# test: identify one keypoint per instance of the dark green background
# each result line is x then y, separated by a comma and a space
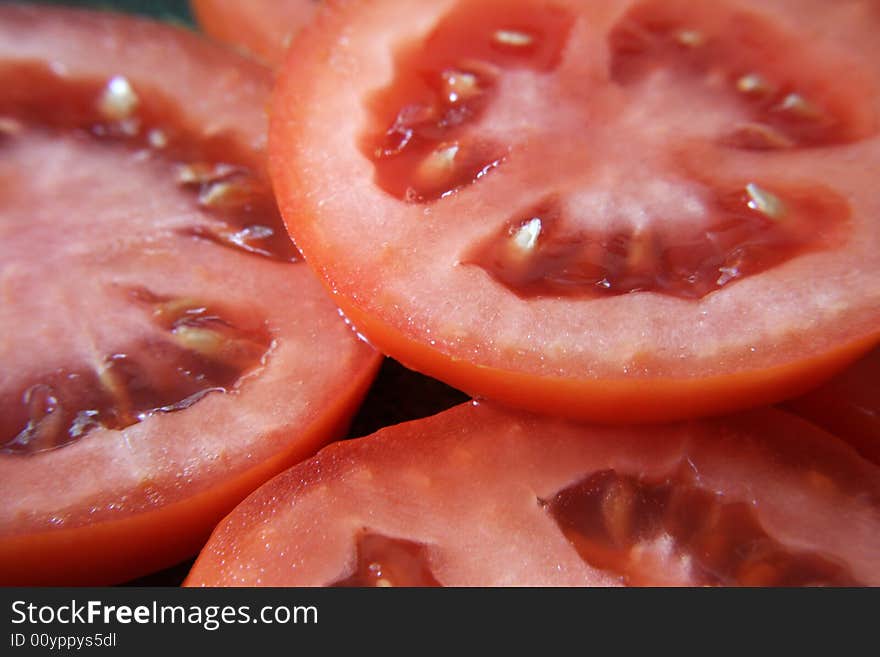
177, 10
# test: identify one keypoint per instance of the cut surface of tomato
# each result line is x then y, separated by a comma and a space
264, 28
619, 211
848, 406
481, 496
164, 348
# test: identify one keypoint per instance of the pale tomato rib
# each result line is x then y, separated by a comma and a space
476, 487
130, 269
397, 268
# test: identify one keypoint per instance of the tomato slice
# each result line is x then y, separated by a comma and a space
480, 496
620, 211
264, 28
848, 406
165, 349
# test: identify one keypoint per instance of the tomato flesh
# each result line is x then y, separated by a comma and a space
150, 377
482, 496
632, 211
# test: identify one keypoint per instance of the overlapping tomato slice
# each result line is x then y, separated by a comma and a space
165, 349
264, 28
625, 211
480, 496
848, 406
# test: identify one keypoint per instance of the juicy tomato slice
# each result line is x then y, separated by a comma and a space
480, 496
165, 349
620, 211
264, 28
848, 406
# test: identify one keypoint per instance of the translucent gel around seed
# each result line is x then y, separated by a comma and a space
384, 561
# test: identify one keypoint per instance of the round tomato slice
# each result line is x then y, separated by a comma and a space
620, 211
479, 496
264, 28
848, 406
165, 349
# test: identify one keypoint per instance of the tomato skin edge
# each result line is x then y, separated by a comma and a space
608, 401
116, 551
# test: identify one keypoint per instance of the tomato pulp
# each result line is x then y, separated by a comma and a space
151, 378
618, 211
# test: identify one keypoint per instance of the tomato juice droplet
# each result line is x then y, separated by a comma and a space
383, 561
616, 522
424, 146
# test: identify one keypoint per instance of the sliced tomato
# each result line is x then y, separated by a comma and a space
621, 211
264, 28
164, 348
479, 496
848, 406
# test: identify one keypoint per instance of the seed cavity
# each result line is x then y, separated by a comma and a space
383, 562
118, 101
615, 521
749, 228
441, 89
195, 349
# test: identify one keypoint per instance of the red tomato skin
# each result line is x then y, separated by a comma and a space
606, 400
609, 402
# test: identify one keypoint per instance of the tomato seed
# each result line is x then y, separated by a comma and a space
118, 100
